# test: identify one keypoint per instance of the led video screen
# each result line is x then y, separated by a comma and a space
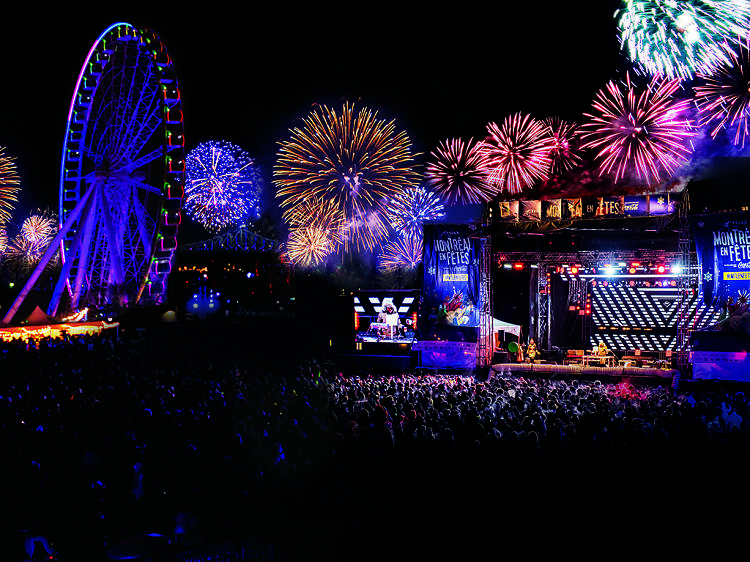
385, 316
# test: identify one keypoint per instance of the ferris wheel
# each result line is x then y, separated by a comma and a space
122, 177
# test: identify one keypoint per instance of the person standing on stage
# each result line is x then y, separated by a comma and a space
531, 351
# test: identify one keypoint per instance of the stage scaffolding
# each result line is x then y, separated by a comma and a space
688, 267
486, 345
540, 326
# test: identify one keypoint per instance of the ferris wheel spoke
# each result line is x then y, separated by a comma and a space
142, 226
115, 269
145, 160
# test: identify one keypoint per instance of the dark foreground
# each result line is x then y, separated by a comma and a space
273, 449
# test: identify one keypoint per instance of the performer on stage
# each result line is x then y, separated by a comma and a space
389, 316
531, 351
601, 351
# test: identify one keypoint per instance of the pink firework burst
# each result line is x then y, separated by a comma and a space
723, 99
458, 172
639, 132
518, 153
565, 153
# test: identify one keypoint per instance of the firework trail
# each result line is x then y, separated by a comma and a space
640, 131
352, 158
458, 172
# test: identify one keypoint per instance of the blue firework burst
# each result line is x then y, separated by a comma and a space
409, 209
223, 186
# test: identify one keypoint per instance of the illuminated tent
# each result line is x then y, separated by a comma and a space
39, 318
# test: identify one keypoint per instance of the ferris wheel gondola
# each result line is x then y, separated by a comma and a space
122, 178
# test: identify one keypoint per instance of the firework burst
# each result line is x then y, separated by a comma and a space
643, 131
10, 185
223, 186
308, 246
405, 252
352, 158
320, 215
408, 210
458, 172
565, 153
517, 152
25, 250
723, 97
679, 38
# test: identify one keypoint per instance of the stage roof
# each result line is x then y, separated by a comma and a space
622, 235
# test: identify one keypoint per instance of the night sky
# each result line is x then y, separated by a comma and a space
246, 74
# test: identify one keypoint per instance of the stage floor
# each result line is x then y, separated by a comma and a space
580, 370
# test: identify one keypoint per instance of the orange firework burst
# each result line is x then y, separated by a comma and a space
320, 222
352, 159
25, 250
308, 246
10, 185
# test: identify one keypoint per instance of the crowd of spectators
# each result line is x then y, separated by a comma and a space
165, 431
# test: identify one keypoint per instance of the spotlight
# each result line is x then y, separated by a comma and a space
518, 266
660, 268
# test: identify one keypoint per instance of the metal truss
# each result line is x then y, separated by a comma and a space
237, 240
585, 258
486, 344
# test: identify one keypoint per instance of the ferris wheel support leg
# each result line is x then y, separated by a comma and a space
75, 248
117, 269
83, 260
41, 266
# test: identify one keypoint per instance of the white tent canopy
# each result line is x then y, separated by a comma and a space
500, 326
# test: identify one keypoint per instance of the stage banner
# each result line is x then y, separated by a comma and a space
660, 204
635, 205
552, 209
530, 210
509, 210
590, 206
610, 205
449, 308
722, 243
571, 208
